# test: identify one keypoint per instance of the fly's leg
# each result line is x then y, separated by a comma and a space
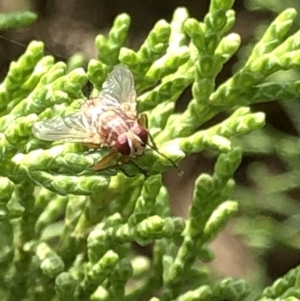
125, 159
92, 148
104, 162
143, 121
91, 145
139, 168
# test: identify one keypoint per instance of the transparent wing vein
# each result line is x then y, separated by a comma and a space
70, 128
119, 87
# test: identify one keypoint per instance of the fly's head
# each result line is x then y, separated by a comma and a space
132, 143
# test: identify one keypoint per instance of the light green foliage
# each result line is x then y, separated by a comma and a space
285, 288
67, 232
15, 20
270, 207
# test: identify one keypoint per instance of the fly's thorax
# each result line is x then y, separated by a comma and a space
111, 124
130, 109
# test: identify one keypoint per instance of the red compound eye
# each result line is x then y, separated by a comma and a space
122, 145
141, 132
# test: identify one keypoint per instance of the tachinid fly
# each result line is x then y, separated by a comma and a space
110, 120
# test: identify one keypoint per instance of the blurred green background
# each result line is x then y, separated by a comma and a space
262, 242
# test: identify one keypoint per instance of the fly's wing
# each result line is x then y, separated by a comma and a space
117, 94
71, 128
118, 90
